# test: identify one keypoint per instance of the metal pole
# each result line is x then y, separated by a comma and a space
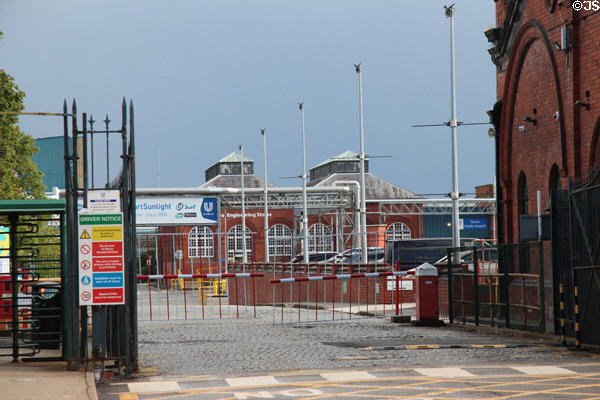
244, 259
91, 121
304, 237
455, 195
363, 206
266, 219
106, 122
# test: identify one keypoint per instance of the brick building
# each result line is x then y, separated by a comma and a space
200, 245
546, 119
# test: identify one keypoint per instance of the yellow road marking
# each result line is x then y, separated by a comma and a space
421, 346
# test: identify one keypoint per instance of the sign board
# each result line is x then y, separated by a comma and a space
4, 250
405, 284
178, 254
104, 201
473, 223
176, 211
101, 261
528, 227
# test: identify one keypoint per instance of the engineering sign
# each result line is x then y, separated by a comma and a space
101, 262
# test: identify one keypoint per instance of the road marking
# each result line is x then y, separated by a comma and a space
252, 381
347, 376
146, 387
421, 346
543, 370
443, 372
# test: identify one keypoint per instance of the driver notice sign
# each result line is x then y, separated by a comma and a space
101, 262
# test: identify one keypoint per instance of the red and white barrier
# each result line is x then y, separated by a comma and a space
174, 303
342, 276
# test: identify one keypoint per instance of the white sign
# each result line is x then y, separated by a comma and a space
405, 284
104, 201
178, 254
179, 211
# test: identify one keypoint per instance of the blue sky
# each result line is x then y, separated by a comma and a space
206, 76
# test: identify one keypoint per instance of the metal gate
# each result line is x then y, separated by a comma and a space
576, 258
32, 273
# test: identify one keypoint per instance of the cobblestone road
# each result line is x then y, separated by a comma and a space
237, 347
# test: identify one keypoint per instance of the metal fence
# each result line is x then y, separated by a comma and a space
503, 285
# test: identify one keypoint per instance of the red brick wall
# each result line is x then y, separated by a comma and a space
539, 76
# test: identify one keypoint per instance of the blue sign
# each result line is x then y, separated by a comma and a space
209, 208
475, 223
108, 280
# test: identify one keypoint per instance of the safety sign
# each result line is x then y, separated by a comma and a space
101, 272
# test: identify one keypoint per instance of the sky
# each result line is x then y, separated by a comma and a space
206, 76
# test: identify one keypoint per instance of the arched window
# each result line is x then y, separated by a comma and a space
200, 242
397, 231
280, 241
319, 239
235, 244
522, 195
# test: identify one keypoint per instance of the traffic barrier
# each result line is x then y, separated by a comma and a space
339, 296
195, 296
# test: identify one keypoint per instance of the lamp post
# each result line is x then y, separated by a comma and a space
363, 206
244, 259
304, 206
266, 218
453, 125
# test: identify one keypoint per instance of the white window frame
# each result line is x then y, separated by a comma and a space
320, 239
235, 246
280, 241
201, 243
397, 231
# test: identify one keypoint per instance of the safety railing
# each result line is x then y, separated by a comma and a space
313, 298
196, 296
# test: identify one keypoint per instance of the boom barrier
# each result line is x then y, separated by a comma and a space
340, 296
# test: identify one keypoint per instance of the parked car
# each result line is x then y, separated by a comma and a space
321, 257
354, 256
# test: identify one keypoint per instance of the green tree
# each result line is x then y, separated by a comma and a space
19, 176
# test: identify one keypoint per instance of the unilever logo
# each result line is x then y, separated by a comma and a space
209, 208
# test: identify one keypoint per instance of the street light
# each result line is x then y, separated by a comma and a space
266, 219
363, 206
455, 195
304, 237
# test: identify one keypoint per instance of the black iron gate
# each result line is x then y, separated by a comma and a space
32, 274
576, 258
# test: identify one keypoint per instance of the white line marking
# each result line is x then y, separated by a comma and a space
443, 372
147, 387
252, 381
347, 376
543, 370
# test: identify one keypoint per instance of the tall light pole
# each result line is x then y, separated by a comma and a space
455, 195
244, 259
266, 219
107, 122
363, 204
304, 206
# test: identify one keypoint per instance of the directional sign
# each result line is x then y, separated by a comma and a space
101, 266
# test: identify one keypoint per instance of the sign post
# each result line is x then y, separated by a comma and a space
101, 261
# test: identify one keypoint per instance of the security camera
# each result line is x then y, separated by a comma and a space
556, 115
521, 128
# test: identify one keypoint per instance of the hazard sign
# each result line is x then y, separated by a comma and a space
101, 271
